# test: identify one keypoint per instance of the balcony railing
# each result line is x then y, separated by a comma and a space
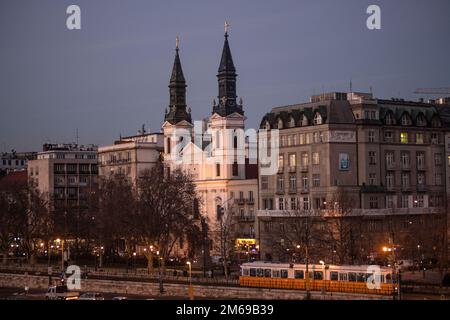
240, 201
292, 169
250, 201
304, 168
391, 166
406, 166
421, 187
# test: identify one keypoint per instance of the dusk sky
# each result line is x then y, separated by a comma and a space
111, 76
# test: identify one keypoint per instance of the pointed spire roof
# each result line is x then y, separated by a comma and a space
226, 62
177, 70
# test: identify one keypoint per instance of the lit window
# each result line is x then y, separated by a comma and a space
404, 137
317, 119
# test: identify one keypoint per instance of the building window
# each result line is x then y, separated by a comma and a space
388, 136
405, 160
168, 146
218, 169
434, 138
295, 139
421, 179
403, 137
438, 159
280, 183
420, 121
304, 182
418, 201
390, 202
305, 203
371, 136
280, 203
404, 201
250, 196
302, 138
293, 183
317, 119
316, 180
304, 121
268, 204
390, 120
390, 161
438, 179
316, 158
235, 169
420, 157
373, 202
390, 180
372, 158
305, 159
419, 138
405, 179
372, 179
264, 182
281, 161
406, 119
293, 203
292, 160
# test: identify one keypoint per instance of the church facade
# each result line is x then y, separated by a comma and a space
215, 152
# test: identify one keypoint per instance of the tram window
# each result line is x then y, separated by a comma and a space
352, 277
333, 276
388, 278
245, 272
275, 273
343, 277
252, 272
284, 273
260, 272
382, 278
299, 274
267, 273
318, 275
361, 277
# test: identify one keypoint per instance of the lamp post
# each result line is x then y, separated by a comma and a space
191, 290
58, 241
161, 288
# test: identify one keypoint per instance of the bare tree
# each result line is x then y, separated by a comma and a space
166, 214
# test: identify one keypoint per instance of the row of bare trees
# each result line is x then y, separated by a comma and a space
156, 211
340, 236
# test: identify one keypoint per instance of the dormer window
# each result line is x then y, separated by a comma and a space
435, 122
406, 119
390, 120
317, 119
291, 122
304, 121
267, 125
421, 121
280, 124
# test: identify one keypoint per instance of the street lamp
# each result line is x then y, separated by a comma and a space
191, 290
58, 241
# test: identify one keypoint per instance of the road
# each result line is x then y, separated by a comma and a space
39, 294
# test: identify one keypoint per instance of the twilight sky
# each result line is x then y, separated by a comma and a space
111, 76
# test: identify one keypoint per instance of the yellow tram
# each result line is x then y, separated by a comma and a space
361, 279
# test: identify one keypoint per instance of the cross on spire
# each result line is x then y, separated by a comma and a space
227, 26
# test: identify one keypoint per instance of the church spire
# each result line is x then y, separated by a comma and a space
177, 88
227, 81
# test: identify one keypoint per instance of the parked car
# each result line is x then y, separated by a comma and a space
91, 296
120, 298
60, 293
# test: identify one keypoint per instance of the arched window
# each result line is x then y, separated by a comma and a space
291, 122
304, 121
389, 119
406, 119
267, 125
435, 122
317, 119
421, 121
280, 123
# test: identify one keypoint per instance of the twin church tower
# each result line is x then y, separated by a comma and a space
227, 178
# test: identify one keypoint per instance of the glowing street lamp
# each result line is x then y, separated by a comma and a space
191, 290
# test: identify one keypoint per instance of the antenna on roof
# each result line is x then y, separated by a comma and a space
77, 136
351, 86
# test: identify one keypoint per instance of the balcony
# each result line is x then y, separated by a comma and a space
367, 188
304, 168
420, 168
279, 191
304, 190
292, 169
390, 188
250, 201
280, 169
406, 188
240, 201
292, 191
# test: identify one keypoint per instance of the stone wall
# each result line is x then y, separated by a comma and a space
176, 290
